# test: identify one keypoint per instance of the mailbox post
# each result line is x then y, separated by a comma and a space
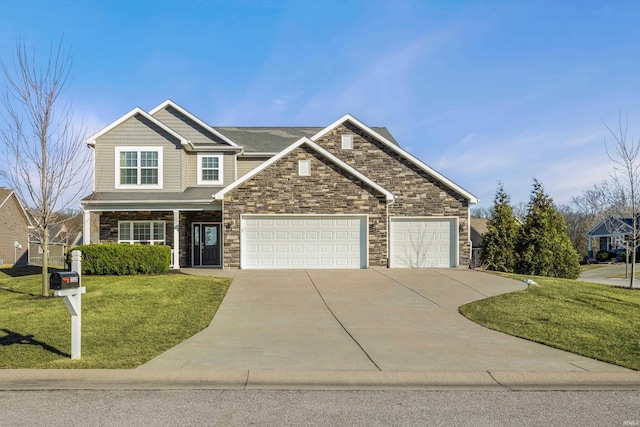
67, 286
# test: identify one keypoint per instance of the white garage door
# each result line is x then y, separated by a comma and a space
423, 242
276, 241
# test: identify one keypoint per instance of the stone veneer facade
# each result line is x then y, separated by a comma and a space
328, 190
417, 193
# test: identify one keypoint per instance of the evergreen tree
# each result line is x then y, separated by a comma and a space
544, 247
498, 244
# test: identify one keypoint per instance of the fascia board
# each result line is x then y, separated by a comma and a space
220, 195
348, 117
170, 103
91, 141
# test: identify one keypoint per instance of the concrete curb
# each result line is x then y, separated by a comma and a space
102, 379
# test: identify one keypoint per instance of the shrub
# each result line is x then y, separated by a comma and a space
603, 256
124, 259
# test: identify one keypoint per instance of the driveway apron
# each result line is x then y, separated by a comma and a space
362, 320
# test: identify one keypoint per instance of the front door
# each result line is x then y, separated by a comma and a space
206, 244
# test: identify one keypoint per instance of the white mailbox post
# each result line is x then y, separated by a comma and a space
72, 298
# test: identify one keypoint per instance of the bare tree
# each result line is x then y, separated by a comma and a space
45, 153
625, 194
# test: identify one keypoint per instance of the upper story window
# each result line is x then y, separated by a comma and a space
210, 169
347, 142
138, 167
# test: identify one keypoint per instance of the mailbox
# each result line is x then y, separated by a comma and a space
64, 280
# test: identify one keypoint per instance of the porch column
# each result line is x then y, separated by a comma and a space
590, 251
176, 239
86, 227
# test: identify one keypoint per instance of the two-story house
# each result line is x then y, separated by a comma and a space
343, 196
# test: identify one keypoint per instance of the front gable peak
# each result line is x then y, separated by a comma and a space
91, 141
324, 153
169, 104
394, 147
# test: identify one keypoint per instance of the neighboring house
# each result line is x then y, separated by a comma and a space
61, 239
478, 230
14, 229
610, 234
342, 196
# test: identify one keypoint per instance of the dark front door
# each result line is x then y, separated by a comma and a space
206, 244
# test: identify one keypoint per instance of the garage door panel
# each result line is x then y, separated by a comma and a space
423, 242
299, 242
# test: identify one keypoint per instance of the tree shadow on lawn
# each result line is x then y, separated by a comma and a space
14, 338
26, 270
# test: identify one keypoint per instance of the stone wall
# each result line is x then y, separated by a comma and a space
328, 190
417, 193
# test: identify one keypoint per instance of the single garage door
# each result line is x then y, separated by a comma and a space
423, 242
278, 241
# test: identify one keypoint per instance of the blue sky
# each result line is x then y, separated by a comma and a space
483, 91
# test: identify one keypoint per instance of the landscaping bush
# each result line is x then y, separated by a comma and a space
604, 256
124, 259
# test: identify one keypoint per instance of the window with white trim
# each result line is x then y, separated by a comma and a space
304, 167
138, 167
347, 142
145, 232
210, 169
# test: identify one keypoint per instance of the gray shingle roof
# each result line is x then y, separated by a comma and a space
190, 194
276, 139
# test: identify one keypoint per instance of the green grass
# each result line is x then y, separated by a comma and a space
126, 320
598, 321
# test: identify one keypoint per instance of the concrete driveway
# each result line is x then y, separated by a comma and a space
361, 320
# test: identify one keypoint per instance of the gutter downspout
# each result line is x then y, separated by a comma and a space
389, 233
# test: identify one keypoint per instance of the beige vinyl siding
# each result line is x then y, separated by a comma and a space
13, 228
186, 127
185, 169
137, 132
227, 164
247, 164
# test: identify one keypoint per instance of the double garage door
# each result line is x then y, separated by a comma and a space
306, 241
337, 241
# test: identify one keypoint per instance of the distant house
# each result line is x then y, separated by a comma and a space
610, 234
14, 229
62, 237
478, 230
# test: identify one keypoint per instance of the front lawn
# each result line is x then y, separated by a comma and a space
598, 321
126, 320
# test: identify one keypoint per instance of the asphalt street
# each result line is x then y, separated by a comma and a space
310, 408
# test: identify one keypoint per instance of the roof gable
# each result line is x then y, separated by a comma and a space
170, 104
394, 147
324, 153
91, 141
5, 196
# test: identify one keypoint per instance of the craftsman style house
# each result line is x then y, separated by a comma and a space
342, 196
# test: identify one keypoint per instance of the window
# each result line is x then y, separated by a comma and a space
146, 232
304, 167
347, 142
210, 169
138, 167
